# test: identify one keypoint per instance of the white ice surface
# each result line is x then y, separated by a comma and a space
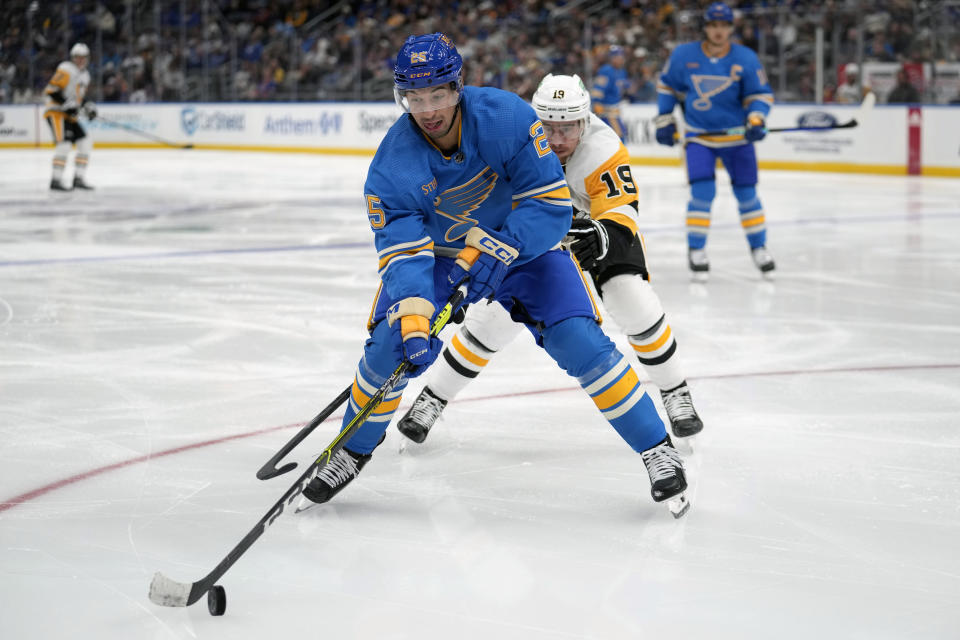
214, 297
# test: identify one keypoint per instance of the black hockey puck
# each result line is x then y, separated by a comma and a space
217, 600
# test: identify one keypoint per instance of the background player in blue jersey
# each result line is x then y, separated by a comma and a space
610, 85
465, 186
720, 86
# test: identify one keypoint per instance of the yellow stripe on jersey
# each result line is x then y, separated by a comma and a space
611, 186
373, 307
563, 193
60, 80
405, 250
560, 186
619, 218
762, 97
557, 193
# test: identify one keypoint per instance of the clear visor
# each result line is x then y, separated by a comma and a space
563, 131
426, 99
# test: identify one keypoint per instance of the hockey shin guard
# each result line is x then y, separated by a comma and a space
586, 353
702, 193
752, 218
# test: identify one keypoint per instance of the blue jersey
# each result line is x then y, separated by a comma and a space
609, 86
503, 177
716, 93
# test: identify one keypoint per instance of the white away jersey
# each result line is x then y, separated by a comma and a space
599, 178
71, 81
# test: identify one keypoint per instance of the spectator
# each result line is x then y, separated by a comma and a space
341, 56
171, 77
904, 91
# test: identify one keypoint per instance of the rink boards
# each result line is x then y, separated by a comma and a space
893, 140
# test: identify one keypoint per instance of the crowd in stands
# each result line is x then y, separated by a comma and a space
175, 50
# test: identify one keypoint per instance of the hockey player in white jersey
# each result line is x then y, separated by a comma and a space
66, 99
604, 239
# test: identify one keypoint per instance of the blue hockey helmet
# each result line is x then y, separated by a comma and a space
426, 61
429, 60
718, 12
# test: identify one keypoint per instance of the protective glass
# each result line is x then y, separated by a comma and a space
427, 99
563, 131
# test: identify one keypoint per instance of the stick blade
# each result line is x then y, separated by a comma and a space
167, 592
265, 473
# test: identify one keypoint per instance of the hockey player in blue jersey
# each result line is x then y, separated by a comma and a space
720, 86
609, 87
465, 185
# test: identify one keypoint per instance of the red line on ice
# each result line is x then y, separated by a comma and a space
41, 491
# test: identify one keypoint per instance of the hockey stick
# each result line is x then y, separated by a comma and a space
868, 102
270, 470
170, 593
144, 134
738, 131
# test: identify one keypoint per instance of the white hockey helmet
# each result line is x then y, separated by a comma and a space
80, 50
562, 99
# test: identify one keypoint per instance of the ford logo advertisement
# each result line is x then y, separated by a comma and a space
816, 119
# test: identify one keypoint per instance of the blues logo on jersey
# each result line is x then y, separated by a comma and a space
716, 93
503, 177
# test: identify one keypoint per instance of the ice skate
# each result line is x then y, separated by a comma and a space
56, 185
684, 421
80, 183
763, 260
699, 264
667, 479
337, 474
420, 418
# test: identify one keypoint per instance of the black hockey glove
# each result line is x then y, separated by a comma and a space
70, 108
588, 240
89, 109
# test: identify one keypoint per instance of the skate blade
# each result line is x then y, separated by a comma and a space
678, 506
305, 504
685, 445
